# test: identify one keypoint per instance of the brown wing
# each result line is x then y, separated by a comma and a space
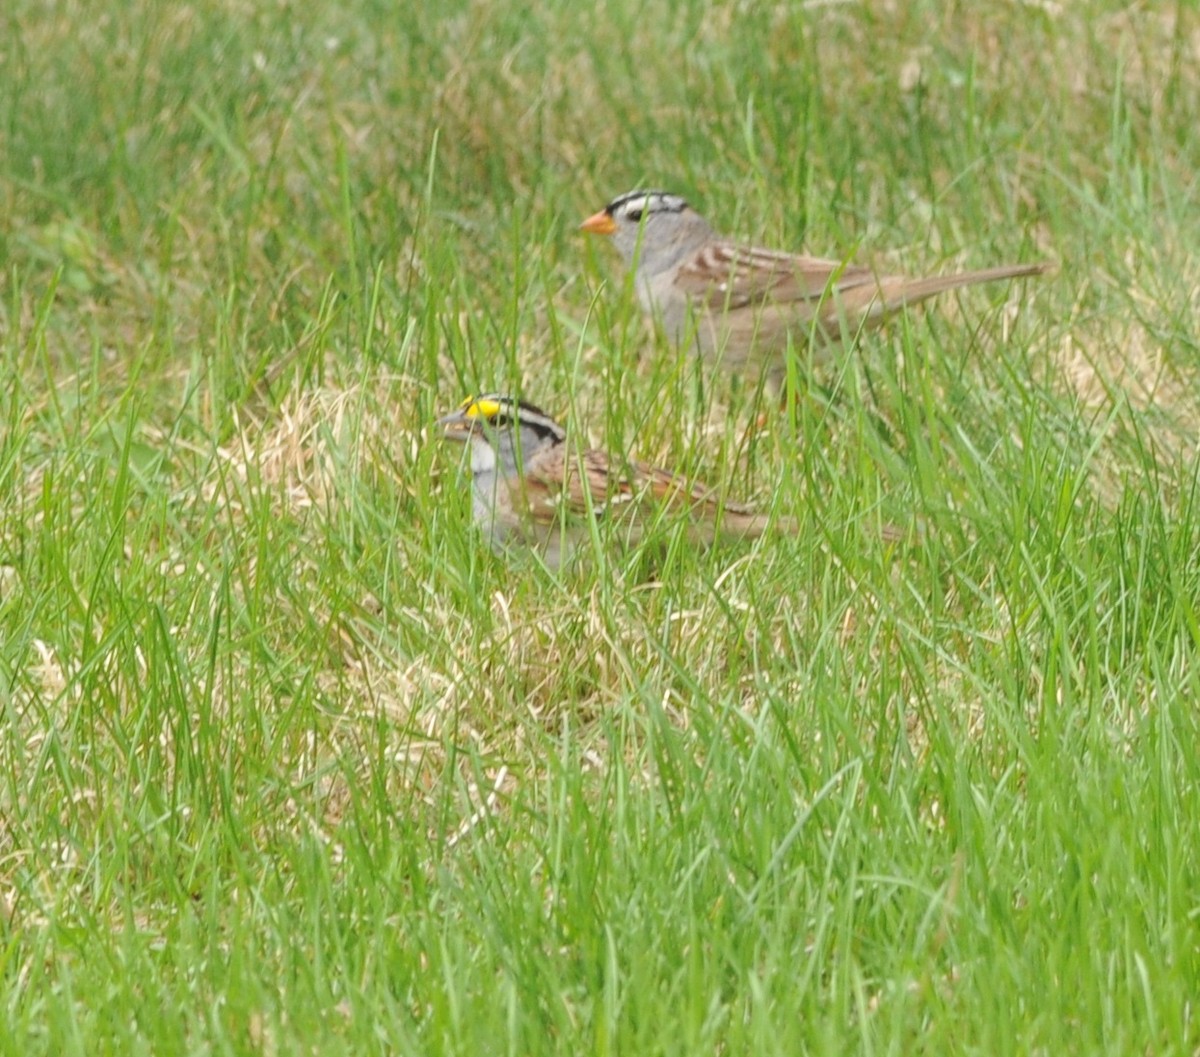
561, 483
709, 517
725, 275
541, 493
559, 488
552, 487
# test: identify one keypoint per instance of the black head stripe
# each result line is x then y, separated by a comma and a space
512, 412
505, 401
502, 399
648, 201
531, 409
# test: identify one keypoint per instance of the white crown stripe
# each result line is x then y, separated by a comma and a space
646, 202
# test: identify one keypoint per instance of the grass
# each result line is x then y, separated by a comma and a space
289, 762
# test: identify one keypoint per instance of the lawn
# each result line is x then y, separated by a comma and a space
291, 763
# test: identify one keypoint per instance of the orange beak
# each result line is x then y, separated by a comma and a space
599, 224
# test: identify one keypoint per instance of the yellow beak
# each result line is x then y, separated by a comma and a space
599, 224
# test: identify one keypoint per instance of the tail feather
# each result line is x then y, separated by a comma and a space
740, 523
898, 291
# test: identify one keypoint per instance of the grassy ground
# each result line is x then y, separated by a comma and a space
290, 763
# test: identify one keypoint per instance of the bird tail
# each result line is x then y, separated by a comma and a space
741, 523
900, 291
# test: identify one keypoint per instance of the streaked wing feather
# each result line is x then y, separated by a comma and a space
559, 487
725, 275
554, 486
554, 492
670, 489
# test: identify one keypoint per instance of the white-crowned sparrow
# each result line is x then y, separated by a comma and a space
533, 488
739, 304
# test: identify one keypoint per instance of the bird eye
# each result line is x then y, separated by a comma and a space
635, 215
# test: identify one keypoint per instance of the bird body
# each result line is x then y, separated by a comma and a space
532, 488
739, 306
